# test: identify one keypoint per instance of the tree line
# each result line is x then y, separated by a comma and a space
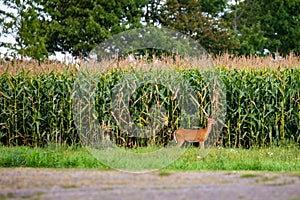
239, 27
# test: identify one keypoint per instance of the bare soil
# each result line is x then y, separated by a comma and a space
33, 183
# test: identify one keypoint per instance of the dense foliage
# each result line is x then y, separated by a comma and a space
250, 27
262, 107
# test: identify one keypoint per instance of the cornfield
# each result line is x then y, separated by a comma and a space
262, 107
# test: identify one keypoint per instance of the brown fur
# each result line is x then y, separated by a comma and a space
190, 135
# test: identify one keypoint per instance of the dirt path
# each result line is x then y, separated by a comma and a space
32, 183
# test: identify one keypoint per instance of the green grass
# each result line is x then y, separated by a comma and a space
266, 159
63, 157
257, 159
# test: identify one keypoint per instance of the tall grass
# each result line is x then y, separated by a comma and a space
36, 109
266, 159
257, 62
226, 60
262, 105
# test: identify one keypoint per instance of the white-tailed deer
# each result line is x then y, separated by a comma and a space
190, 135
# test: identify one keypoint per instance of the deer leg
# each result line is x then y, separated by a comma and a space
202, 144
179, 141
175, 138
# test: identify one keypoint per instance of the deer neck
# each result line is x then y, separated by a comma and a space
208, 128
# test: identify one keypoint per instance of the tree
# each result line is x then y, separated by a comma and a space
272, 25
22, 20
44, 27
200, 23
78, 27
213, 7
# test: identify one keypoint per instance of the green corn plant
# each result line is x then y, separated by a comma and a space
262, 107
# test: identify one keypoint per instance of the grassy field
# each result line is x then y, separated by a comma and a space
285, 158
36, 110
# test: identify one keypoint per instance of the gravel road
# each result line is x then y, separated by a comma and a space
33, 183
